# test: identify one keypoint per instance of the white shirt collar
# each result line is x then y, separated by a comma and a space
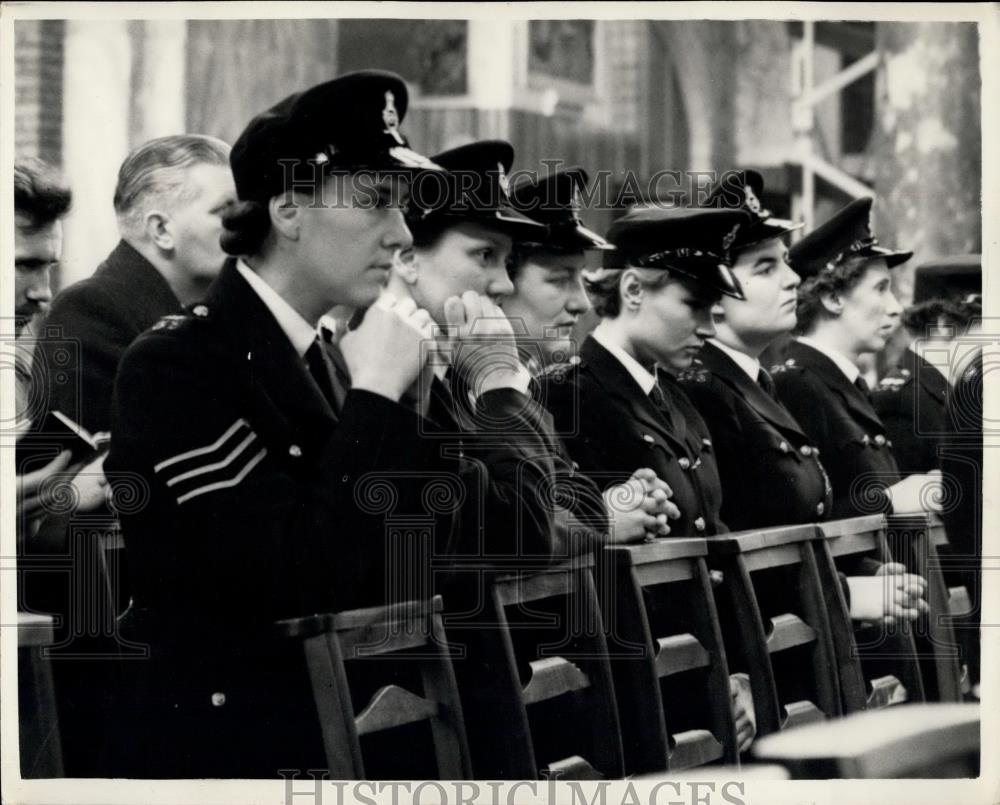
748, 364
640, 374
845, 364
300, 332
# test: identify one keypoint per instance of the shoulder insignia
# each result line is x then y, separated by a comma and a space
221, 464
891, 383
556, 372
694, 374
169, 322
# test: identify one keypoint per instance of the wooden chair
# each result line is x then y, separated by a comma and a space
770, 577
41, 748
913, 540
667, 657
912, 741
383, 643
534, 677
874, 662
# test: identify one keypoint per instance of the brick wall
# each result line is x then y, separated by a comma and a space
38, 88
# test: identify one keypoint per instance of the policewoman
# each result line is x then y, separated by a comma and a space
236, 463
614, 409
786, 482
846, 308
546, 270
912, 396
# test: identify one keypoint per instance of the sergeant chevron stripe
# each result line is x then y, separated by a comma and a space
220, 465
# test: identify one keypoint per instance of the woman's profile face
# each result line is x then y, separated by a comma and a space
673, 322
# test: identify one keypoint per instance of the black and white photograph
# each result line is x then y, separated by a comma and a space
499, 403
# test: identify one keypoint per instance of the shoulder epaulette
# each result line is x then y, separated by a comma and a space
778, 368
696, 373
557, 371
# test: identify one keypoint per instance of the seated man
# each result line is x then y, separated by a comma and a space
169, 201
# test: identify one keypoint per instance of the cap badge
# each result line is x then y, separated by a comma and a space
727, 241
391, 117
752, 202
502, 179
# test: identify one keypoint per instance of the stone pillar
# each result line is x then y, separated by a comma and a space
96, 83
927, 147
158, 79
708, 85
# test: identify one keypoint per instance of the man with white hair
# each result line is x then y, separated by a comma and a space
169, 200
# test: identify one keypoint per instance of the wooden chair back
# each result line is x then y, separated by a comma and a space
878, 664
667, 656
380, 642
776, 625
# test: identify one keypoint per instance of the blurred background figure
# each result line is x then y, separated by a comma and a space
912, 396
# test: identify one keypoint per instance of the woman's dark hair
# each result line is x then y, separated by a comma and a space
839, 280
245, 227
920, 318
427, 231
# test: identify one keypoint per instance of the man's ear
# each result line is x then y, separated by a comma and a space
159, 229
832, 303
631, 289
285, 212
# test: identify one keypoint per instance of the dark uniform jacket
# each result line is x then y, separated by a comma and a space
770, 470
245, 498
611, 428
840, 420
911, 401
102, 314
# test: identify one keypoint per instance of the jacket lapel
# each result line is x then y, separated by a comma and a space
930, 379
273, 367
836, 380
726, 369
615, 379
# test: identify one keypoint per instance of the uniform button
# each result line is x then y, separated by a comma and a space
200, 311
865, 439
218, 699
806, 450
880, 440
888, 442
699, 524
648, 438
783, 447
295, 451
816, 450
820, 507
685, 463
706, 442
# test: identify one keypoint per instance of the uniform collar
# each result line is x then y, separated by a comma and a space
300, 332
641, 375
936, 354
748, 364
841, 361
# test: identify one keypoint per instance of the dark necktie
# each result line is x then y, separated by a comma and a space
765, 381
862, 386
319, 368
660, 401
